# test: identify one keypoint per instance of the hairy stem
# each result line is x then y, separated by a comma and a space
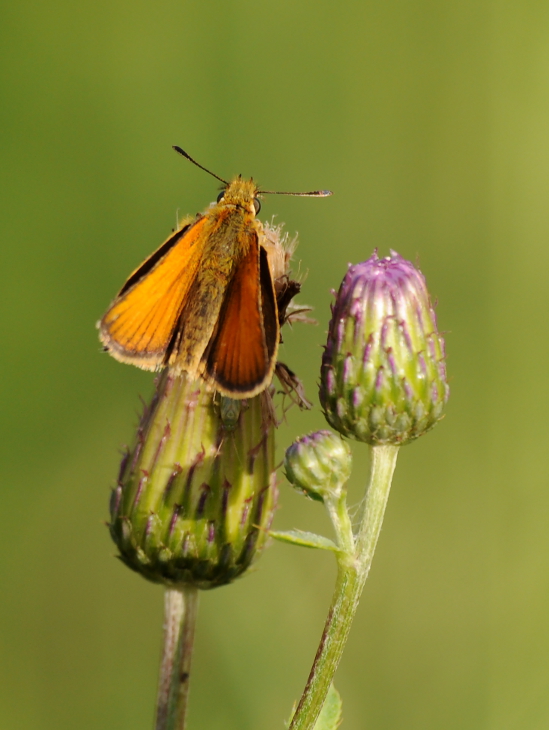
353, 569
180, 608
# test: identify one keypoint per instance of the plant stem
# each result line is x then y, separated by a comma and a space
180, 609
353, 569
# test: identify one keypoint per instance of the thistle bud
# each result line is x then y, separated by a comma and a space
195, 498
319, 465
383, 377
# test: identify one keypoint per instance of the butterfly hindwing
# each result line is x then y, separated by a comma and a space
242, 353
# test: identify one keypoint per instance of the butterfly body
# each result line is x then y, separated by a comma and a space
204, 302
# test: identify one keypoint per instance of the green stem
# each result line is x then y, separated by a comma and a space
353, 570
337, 509
180, 609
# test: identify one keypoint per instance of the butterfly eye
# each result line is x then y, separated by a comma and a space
220, 196
257, 205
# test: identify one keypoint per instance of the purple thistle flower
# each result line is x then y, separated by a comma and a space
383, 344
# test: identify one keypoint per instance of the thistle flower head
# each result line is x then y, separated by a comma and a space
195, 499
383, 377
319, 465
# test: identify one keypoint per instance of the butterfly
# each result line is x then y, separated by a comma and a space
204, 303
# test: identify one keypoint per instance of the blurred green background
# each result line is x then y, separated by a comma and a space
430, 122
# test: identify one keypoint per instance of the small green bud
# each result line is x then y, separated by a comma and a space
319, 465
195, 498
383, 377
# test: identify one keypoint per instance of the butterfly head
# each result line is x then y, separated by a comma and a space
241, 193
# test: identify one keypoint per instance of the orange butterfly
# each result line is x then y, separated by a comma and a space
204, 303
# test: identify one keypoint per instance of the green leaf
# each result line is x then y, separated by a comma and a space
305, 539
330, 715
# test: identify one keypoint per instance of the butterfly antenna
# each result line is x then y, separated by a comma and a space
187, 155
312, 194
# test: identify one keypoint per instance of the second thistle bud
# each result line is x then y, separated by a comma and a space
319, 464
383, 378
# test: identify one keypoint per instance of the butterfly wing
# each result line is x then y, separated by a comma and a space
140, 323
242, 353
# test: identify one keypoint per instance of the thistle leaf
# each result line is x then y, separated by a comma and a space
305, 539
330, 715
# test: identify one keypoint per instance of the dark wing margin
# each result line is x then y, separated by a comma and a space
268, 305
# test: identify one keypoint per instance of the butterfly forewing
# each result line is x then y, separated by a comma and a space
139, 324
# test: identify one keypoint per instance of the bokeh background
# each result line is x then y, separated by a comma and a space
430, 121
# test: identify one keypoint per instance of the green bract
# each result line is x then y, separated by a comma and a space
195, 498
383, 377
